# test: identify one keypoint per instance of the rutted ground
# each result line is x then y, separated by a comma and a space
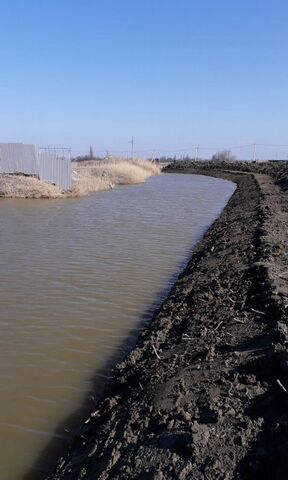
203, 395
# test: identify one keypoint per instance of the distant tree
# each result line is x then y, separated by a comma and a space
91, 154
85, 158
223, 156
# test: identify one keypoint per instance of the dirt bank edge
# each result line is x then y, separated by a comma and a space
203, 395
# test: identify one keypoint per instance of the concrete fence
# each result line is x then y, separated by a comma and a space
49, 166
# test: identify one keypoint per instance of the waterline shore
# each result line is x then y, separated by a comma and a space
203, 394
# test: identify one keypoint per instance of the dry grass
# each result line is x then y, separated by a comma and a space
88, 177
94, 176
22, 186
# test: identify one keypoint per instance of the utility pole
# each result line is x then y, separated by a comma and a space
196, 152
254, 152
132, 148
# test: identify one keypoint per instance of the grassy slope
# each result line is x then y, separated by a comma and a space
93, 176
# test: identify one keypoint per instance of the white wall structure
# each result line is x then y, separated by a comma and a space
18, 158
55, 169
30, 160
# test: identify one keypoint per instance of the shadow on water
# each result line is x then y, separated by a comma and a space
101, 383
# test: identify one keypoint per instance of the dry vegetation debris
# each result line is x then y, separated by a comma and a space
94, 176
88, 177
24, 186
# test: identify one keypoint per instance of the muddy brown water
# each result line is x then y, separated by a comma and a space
77, 276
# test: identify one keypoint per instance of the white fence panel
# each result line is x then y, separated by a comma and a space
55, 169
50, 167
19, 158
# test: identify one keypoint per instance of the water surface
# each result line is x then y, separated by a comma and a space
77, 275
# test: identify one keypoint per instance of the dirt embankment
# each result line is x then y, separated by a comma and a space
278, 170
204, 393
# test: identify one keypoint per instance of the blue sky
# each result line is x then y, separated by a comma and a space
171, 73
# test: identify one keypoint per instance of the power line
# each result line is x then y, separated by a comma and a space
197, 148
